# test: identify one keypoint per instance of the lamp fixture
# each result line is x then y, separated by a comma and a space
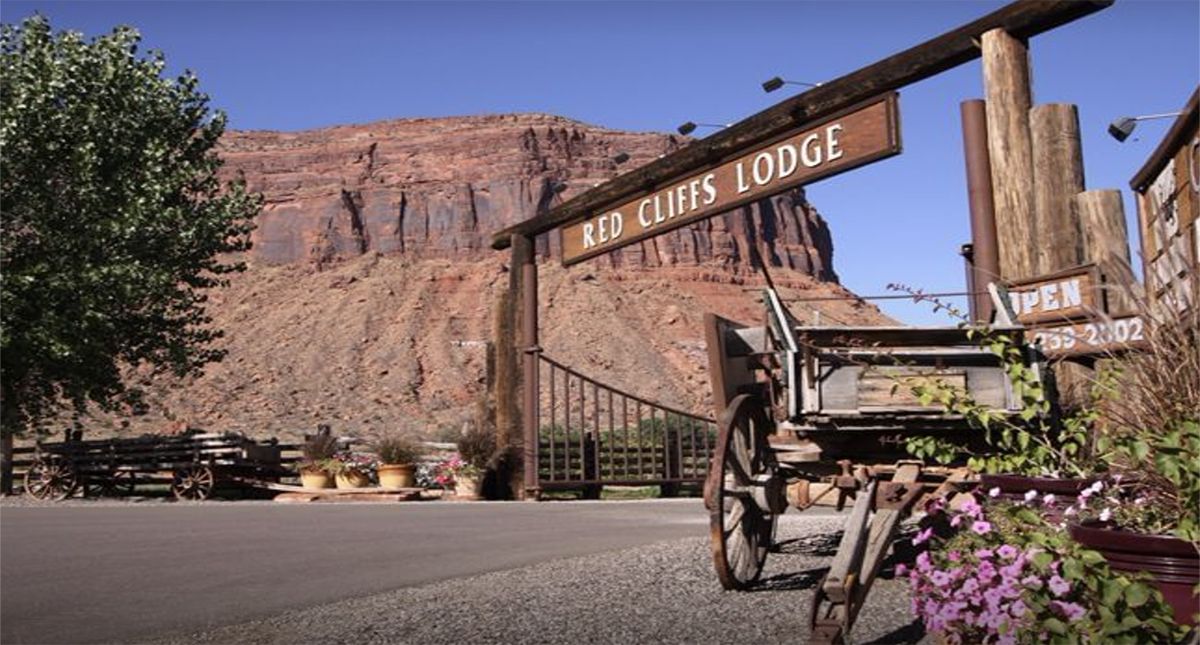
1123, 127
689, 127
772, 84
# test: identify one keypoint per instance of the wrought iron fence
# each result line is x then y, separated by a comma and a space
591, 434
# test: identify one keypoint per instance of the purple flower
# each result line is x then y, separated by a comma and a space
1033, 582
1048, 500
940, 579
1070, 610
954, 555
984, 554
972, 508
1007, 551
1018, 608
1031, 495
1059, 586
923, 564
922, 536
956, 520
970, 586
901, 569
981, 527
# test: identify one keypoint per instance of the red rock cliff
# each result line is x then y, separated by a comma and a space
441, 187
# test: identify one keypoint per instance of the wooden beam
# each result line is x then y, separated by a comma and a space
1022, 19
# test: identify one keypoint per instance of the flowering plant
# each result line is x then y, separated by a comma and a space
346, 461
1001, 574
450, 470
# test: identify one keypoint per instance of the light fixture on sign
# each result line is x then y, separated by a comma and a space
690, 127
1123, 127
772, 84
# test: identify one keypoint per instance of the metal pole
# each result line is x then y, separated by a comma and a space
985, 251
529, 342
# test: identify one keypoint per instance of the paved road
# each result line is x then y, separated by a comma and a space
114, 573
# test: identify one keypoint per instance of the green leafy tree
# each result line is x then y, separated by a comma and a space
114, 220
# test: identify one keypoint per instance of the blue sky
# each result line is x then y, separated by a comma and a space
648, 66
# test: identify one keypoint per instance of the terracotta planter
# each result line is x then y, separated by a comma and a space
397, 476
316, 479
352, 479
1173, 564
466, 488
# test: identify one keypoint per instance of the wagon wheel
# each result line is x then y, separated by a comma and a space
743, 493
117, 483
51, 478
194, 482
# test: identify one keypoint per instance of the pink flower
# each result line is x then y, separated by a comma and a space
922, 536
1059, 586
972, 508
954, 556
1018, 608
984, 554
956, 520
1048, 500
923, 564
981, 527
1070, 610
994, 492
1031, 495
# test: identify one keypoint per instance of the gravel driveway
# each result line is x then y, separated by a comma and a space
662, 593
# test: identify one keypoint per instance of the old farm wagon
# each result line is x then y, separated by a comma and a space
193, 465
807, 404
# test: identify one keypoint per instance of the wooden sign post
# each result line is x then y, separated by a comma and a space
860, 135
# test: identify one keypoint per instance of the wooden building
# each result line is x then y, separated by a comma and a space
1168, 200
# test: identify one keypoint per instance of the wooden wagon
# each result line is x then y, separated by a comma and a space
800, 405
194, 464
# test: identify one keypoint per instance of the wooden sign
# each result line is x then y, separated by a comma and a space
865, 133
1062, 296
1093, 337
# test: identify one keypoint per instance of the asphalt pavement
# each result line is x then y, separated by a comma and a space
423, 573
119, 572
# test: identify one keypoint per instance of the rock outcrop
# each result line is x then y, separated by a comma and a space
441, 187
371, 286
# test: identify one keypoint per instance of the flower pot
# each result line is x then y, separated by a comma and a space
1173, 564
352, 479
466, 488
397, 476
316, 479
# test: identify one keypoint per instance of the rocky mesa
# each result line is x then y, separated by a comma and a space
368, 299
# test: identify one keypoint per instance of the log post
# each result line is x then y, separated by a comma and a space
1010, 148
1101, 214
984, 261
1058, 177
530, 351
507, 385
1058, 241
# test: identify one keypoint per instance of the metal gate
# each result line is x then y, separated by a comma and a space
590, 435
